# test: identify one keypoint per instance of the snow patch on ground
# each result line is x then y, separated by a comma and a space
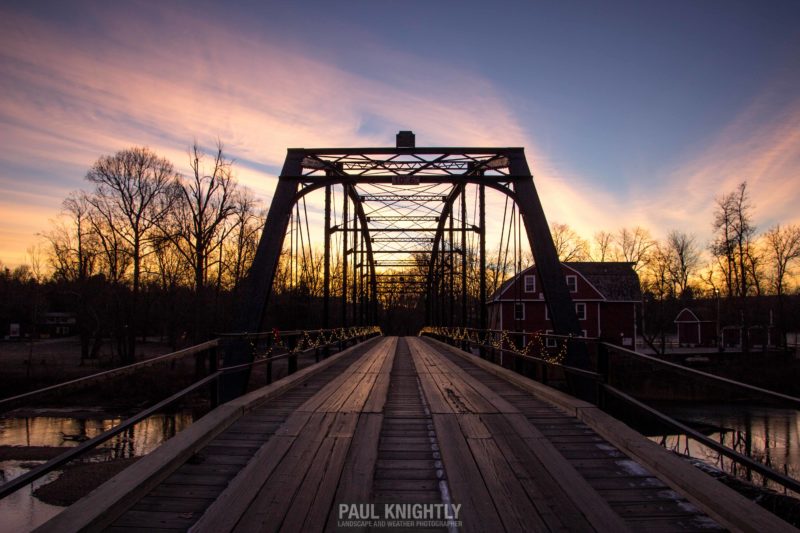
633, 468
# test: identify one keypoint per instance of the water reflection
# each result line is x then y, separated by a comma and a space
767, 434
22, 511
64, 432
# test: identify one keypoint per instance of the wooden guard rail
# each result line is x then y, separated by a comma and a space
500, 341
291, 346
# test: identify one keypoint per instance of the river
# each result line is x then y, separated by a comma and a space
768, 434
22, 511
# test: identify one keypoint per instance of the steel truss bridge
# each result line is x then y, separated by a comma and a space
404, 225
321, 430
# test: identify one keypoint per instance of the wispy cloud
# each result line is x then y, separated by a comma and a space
161, 77
69, 98
760, 145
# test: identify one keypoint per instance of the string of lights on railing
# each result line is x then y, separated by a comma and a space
278, 343
535, 346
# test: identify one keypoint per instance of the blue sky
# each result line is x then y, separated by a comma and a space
631, 113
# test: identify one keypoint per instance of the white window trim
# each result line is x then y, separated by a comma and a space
550, 342
574, 277
515, 310
579, 305
532, 278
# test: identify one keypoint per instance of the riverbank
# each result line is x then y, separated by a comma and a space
78, 480
776, 371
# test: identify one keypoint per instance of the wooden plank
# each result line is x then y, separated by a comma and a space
303, 499
469, 386
168, 490
323, 503
232, 503
513, 505
312, 504
723, 504
377, 397
153, 520
355, 402
473, 427
180, 505
334, 387
356, 478
430, 389
551, 500
343, 425
268, 509
464, 478
583, 496
102, 506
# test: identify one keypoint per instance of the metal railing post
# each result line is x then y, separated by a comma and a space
603, 368
292, 364
213, 388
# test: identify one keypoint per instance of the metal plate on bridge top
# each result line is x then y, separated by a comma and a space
405, 180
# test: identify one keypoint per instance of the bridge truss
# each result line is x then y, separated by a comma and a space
404, 226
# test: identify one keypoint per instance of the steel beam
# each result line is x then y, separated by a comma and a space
257, 285
548, 267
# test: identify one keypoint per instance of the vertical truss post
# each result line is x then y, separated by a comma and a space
464, 257
326, 275
345, 233
451, 274
482, 235
354, 287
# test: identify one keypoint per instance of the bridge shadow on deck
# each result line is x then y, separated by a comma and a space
409, 420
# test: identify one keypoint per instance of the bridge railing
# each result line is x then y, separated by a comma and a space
541, 356
288, 345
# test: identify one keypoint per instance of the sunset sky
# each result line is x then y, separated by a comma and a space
631, 113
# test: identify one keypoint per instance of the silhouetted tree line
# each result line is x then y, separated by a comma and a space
145, 251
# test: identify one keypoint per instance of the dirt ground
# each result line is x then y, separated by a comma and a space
26, 366
78, 480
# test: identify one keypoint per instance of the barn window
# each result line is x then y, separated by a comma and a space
572, 283
519, 311
530, 283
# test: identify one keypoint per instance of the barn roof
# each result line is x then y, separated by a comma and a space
616, 281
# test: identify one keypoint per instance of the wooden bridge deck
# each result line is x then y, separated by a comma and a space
412, 421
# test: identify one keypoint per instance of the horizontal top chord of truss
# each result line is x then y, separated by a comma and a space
403, 198
401, 218
408, 240
405, 163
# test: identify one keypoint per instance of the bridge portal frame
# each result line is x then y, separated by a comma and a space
305, 170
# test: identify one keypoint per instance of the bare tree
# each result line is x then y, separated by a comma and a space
782, 246
134, 191
633, 246
658, 286
734, 248
569, 245
247, 222
205, 201
73, 245
684, 259
603, 242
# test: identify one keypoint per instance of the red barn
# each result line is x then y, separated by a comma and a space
607, 297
